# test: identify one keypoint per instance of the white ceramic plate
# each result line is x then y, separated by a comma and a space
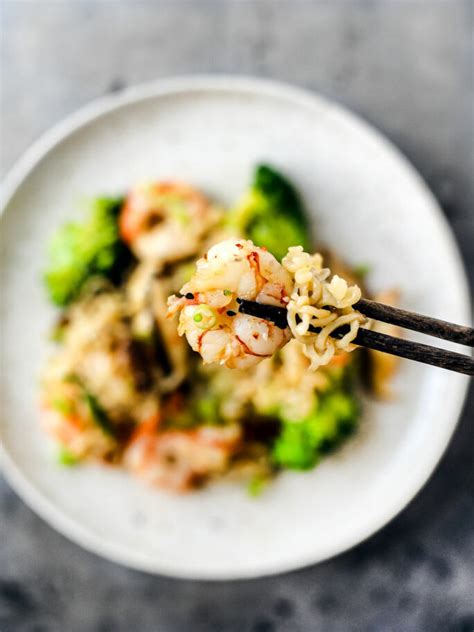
366, 201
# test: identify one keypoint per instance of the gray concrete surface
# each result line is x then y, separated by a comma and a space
407, 66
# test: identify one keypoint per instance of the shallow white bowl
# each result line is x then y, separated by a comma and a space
366, 201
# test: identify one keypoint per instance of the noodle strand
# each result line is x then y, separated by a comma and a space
319, 302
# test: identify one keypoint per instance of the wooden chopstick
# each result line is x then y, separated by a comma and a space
415, 351
416, 322
382, 342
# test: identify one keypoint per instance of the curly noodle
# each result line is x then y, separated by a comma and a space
319, 302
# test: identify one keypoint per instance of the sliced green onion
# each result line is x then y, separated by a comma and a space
66, 458
362, 270
178, 210
58, 334
98, 414
257, 485
204, 316
62, 405
227, 293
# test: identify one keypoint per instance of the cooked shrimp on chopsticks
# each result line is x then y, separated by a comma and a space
209, 317
236, 270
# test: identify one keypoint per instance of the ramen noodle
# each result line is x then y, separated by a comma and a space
323, 303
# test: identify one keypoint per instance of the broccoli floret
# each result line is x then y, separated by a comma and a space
294, 448
301, 444
278, 234
80, 250
271, 214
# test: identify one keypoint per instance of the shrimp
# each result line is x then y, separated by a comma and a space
180, 459
166, 221
232, 269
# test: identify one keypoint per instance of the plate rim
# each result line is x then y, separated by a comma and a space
183, 84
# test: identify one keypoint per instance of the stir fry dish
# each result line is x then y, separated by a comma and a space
244, 399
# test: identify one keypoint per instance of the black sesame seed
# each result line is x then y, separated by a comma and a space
190, 296
230, 313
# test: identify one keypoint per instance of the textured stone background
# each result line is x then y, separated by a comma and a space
408, 68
